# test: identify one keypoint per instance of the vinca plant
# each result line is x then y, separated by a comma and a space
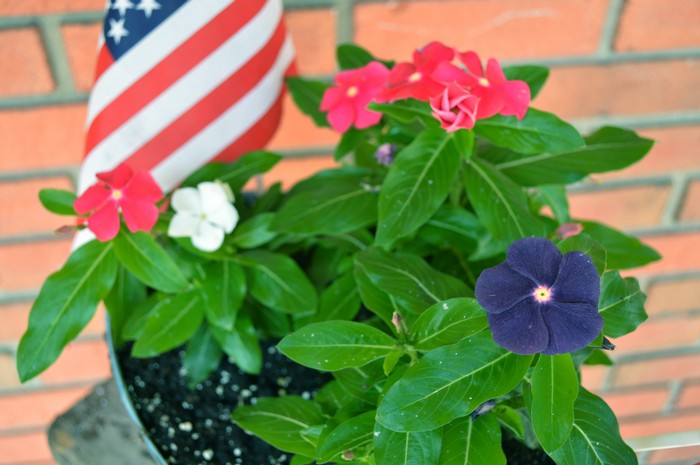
435, 275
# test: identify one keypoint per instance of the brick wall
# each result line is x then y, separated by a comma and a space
634, 63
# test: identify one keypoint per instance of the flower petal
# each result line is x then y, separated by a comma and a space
500, 288
225, 217
143, 187
92, 199
341, 117
472, 62
331, 98
184, 225
535, 258
572, 326
521, 329
104, 223
212, 196
139, 215
186, 199
208, 237
365, 118
577, 280
118, 177
516, 98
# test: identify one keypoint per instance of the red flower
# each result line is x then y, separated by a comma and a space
346, 102
497, 95
423, 79
134, 194
455, 108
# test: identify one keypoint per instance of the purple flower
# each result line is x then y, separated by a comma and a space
539, 300
385, 154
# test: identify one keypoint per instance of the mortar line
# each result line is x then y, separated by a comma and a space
610, 27
50, 29
676, 198
345, 21
675, 387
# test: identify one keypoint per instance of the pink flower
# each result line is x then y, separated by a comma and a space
134, 194
423, 79
346, 102
455, 108
497, 95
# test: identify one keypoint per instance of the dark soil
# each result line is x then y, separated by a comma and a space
193, 427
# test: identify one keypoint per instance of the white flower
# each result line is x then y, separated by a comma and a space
205, 214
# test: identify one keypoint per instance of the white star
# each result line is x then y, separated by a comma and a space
148, 6
117, 30
122, 6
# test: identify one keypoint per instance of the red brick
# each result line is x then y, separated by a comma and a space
503, 29
33, 7
665, 297
652, 25
19, 201
679, 252
25, 448
690, 397
660, 334
659, 370
81, 45
313, 32
37, 409
638, 402
80, 361
298, 130
630, 207
661, 425
61, 142
25, 266
691, 204
593, 376
675, 149
622, 89
8, 372
675, 456
291, 170
23, 64
14, 319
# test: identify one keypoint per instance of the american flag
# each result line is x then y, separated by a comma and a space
180, 83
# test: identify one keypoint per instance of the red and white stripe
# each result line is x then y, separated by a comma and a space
205, 85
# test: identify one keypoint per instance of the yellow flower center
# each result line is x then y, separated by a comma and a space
352, 91
415, 77
117, 194
484, 82
542, 294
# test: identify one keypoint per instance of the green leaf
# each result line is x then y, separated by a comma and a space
350, 56
238, 173
202, 356
584, 243
340, 301
254, 232
418, 182
554, 390
374, 298
172, 322
278, 282
595, 437
334, 345
448, 383
623, 251
58, 201
147, 260
447, 322
607, 149
65, 305
342, 205
452, 227
510, 419
415, 448
125, 296
307, 96
138, 315
472, 442
349, 142
349, 435
408, 280
241, 344
534, 76
500, 204
538, 132
224, 288
621, 304
363, 382
554, 196
407, 111
280, 421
